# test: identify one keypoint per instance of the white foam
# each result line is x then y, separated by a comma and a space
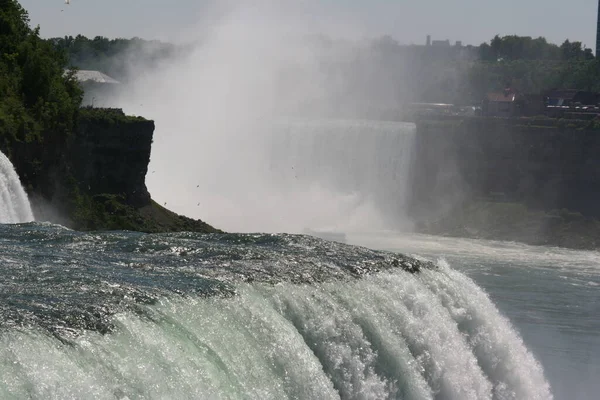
393, 335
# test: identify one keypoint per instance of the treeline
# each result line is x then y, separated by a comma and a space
514, 48
468, 83
464, 75
39, 100
381, 73
534, 76
114, 57
532, 66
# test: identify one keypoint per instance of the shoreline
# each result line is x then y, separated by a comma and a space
514, 222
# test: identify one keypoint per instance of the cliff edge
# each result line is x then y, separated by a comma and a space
96, 181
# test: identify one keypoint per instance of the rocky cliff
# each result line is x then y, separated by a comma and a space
543, 163
110, 153
95, 177
509, 176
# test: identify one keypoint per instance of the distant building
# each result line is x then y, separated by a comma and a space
443, 50
441, 43
571, 97
532, 105
560, 98
417, 110
571, 103
502, 104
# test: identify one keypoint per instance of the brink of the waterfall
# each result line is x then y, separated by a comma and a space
14, 204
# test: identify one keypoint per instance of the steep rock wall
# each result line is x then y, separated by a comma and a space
109, 154
94, 177
544, 164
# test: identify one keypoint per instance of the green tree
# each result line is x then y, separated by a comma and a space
575, 51
39, 101
512, 47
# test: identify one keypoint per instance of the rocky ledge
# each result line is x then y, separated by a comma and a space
98, 180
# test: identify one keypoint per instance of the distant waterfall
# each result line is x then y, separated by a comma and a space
14, 204
370, 160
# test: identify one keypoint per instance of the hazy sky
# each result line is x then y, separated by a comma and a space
409, 21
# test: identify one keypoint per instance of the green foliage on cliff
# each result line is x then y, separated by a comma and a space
465, 76
109, 116
47, 138
38, 101
112, 212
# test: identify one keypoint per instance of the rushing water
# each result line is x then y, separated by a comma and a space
550, 294
134, 316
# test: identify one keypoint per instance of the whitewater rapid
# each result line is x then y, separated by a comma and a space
550, 295
133, 316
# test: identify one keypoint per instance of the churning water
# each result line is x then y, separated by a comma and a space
136, 316
550, 294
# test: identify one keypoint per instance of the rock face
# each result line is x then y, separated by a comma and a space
110, 154
95, 178
535, 181
544, 164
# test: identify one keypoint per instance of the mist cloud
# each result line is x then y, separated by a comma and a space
214, 106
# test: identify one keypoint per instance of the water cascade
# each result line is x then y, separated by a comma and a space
367, 161
387, 336
129, 321
14, 204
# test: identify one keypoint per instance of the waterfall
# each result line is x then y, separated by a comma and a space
14, 204
369, 161
388, 336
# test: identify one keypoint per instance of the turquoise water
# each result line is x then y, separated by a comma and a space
121, 315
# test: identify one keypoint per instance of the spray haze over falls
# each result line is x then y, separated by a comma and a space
228, 147
364, 165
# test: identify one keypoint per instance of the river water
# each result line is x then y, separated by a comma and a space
123, 315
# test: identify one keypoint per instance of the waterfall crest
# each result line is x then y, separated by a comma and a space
389, 336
